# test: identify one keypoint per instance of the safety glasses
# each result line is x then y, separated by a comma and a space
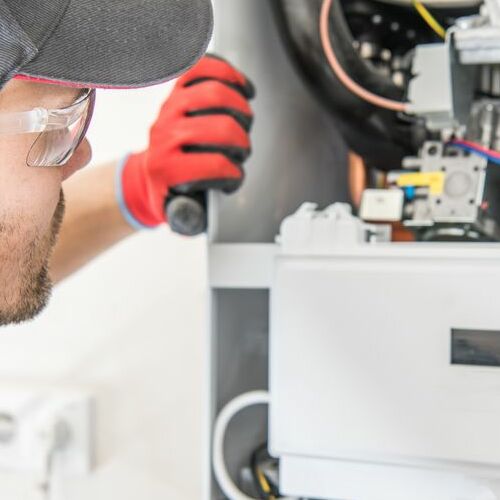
60, 131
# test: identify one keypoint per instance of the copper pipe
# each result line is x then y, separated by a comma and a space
357, 178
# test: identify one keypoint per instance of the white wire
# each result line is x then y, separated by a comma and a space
225, 416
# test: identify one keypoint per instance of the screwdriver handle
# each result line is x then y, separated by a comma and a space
187, 214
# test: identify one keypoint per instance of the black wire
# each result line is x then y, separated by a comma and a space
254, 468
258, 456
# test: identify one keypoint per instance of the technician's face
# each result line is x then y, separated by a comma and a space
31, 205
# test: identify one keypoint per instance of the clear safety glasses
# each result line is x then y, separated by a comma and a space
60, 131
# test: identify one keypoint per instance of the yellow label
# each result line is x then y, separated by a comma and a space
433, 180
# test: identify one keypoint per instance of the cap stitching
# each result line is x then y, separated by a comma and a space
54, 26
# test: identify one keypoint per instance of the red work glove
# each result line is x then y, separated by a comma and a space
199, 141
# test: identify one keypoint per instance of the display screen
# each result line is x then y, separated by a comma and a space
475, 347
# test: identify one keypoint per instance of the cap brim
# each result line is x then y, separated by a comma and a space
123, 43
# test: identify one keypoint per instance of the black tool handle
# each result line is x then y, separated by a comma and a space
187, 214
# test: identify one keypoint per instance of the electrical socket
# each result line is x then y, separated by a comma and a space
27, 416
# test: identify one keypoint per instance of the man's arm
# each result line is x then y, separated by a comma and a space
93, 220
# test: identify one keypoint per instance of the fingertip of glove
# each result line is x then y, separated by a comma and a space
211, 55
234, 185
247, 89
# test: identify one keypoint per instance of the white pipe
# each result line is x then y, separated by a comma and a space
228, 412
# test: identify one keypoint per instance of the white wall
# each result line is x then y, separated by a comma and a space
130, 328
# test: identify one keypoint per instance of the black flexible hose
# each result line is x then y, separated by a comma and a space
375, 134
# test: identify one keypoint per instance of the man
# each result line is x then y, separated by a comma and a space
53, 55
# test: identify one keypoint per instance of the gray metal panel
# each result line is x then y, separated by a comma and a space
239, 364
297, 153
241, 265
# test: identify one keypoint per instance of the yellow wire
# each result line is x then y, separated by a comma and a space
264, 484
429, 18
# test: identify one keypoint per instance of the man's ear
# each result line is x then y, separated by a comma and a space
81, 157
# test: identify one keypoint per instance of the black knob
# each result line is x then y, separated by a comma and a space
187, 214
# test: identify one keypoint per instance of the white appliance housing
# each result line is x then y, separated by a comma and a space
384, 364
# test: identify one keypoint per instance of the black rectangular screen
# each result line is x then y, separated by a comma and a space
475, 347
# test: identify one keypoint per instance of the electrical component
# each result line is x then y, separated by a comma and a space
477, 38
46, 433
443, 191
382, 205
447, 105
334, 227
432, 180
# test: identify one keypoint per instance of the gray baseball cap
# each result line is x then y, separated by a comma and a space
102, 43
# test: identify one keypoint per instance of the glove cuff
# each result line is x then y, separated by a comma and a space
128, 196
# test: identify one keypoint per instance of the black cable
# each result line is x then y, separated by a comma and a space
254, 468
258, 456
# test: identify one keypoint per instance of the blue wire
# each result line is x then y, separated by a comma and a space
490, 158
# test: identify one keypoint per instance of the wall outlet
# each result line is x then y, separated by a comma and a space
28, 416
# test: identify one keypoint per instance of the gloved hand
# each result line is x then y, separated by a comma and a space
199, 141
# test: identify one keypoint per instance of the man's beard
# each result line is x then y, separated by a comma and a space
32, 269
